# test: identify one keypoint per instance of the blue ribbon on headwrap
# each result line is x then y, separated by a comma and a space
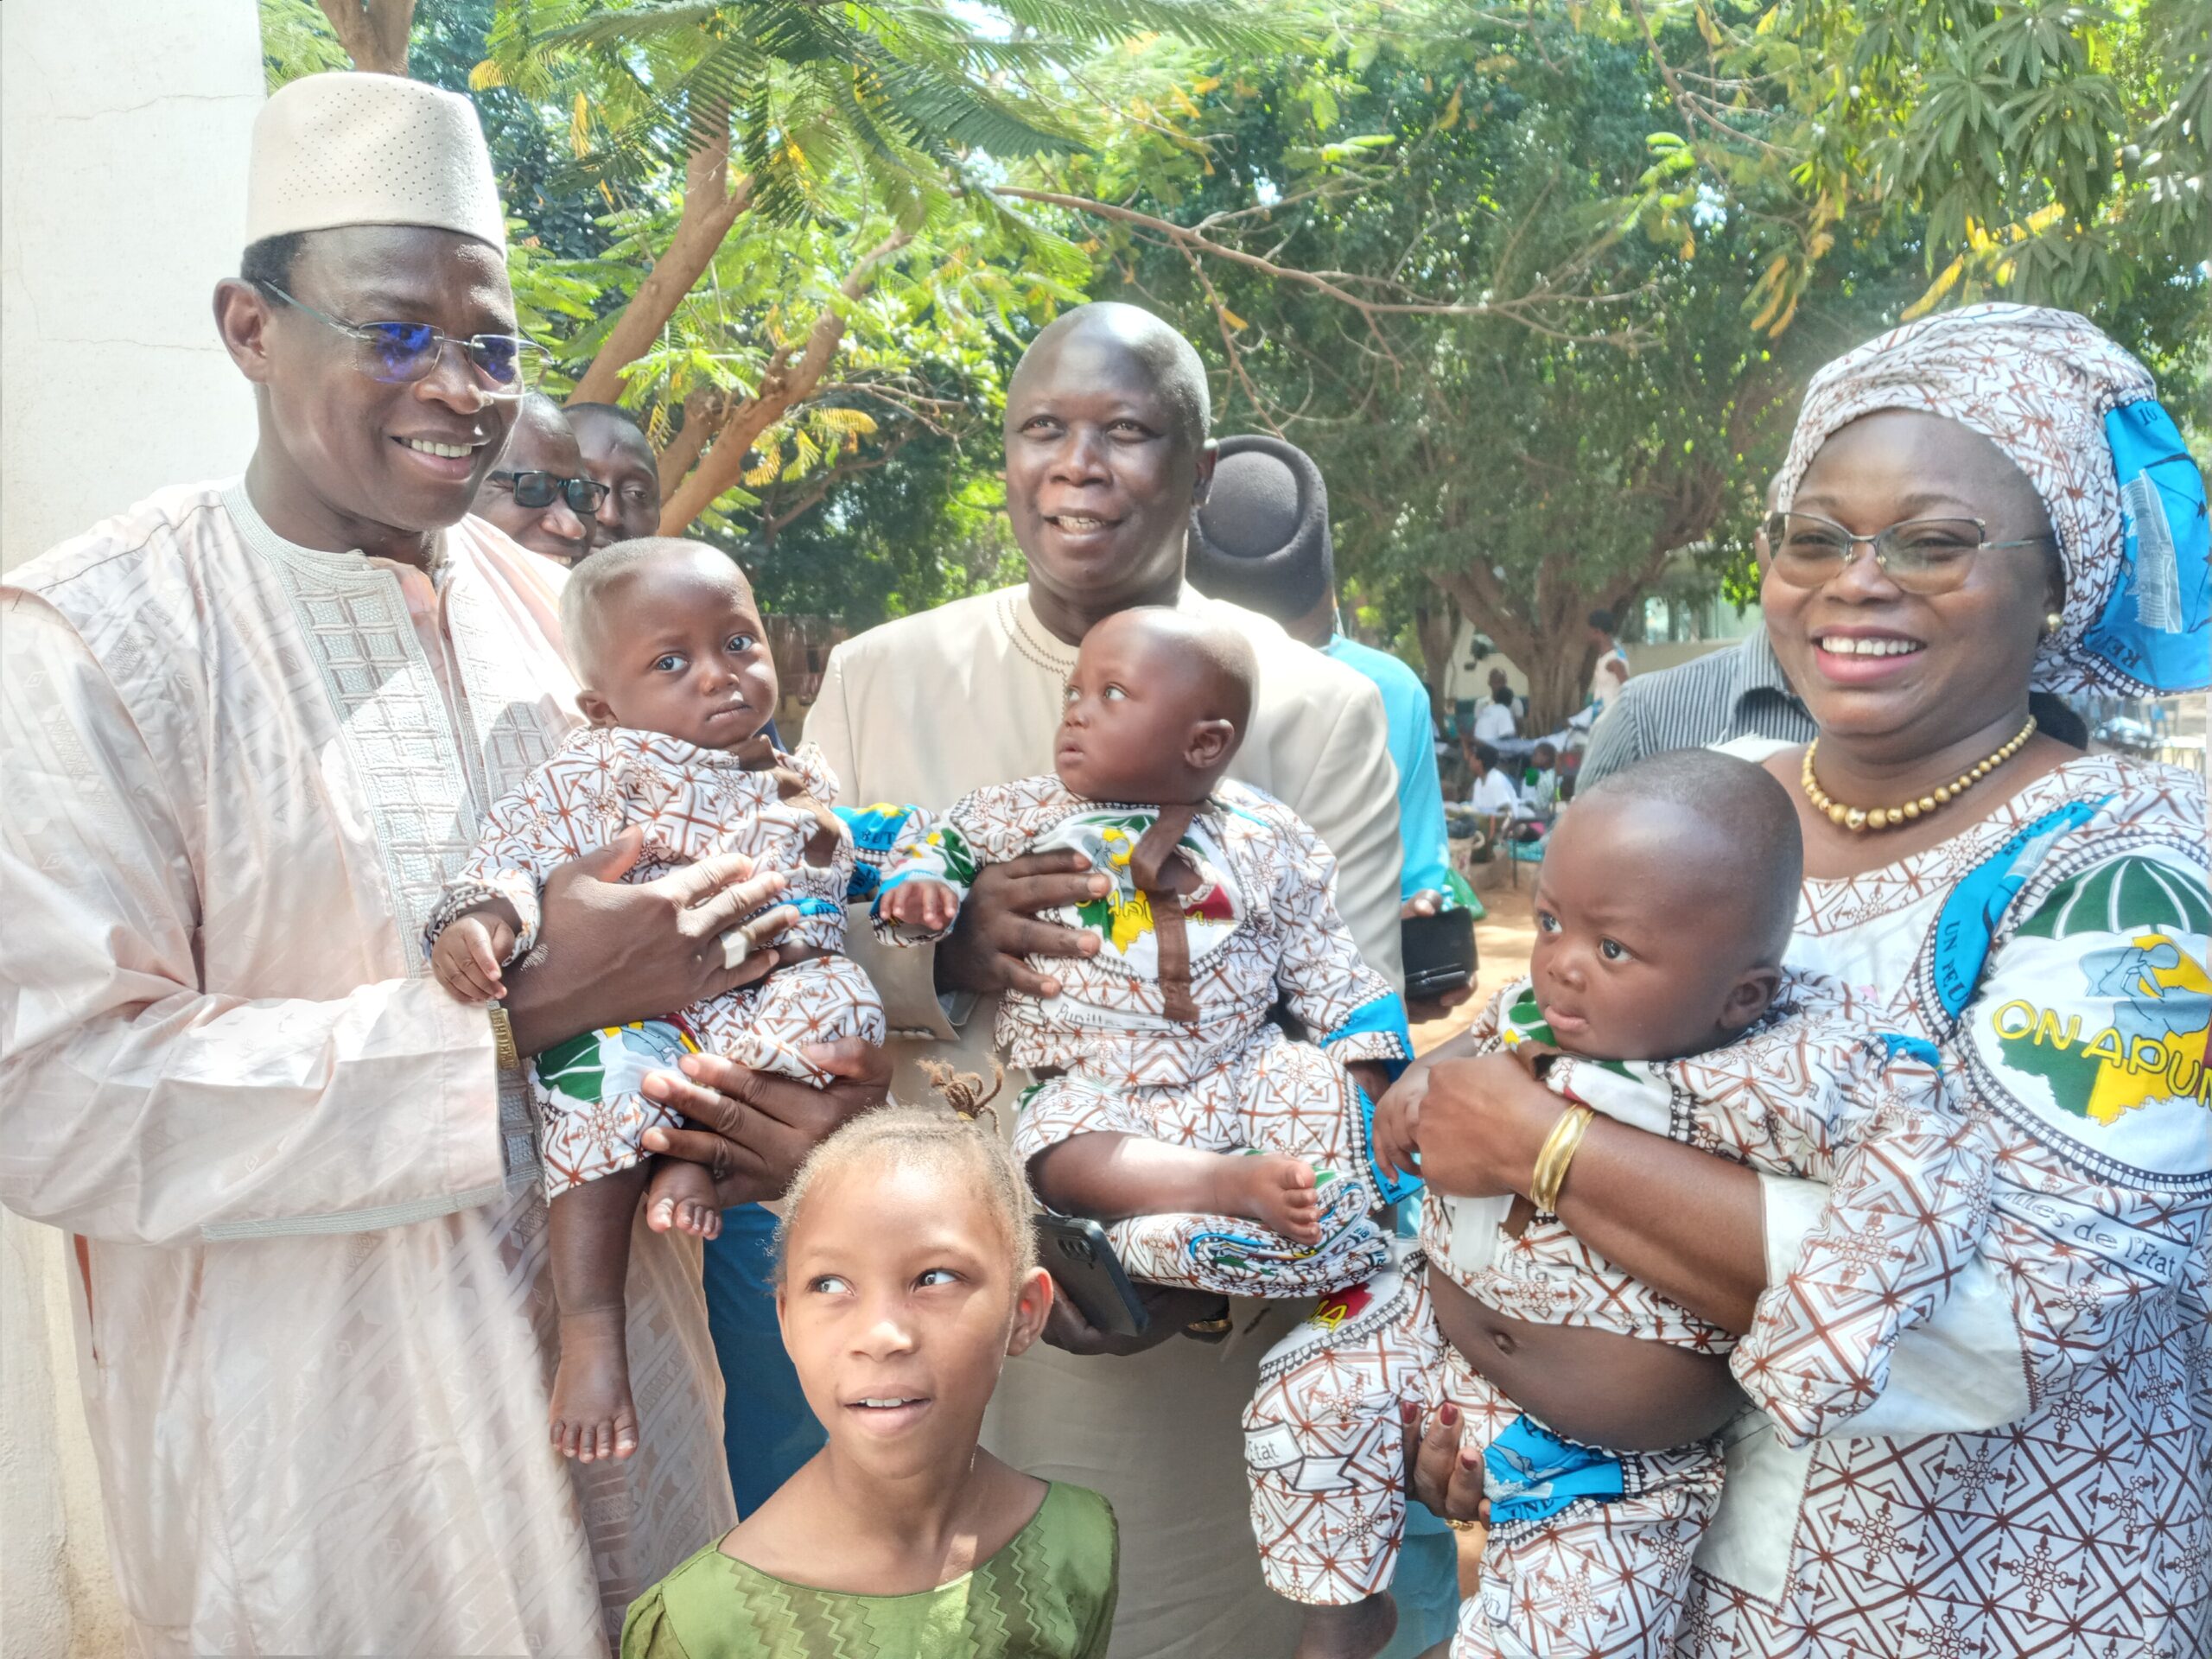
2155, 625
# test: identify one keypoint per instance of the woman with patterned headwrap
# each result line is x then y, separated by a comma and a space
1982, 503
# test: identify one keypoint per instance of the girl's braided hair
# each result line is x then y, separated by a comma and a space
938, 1138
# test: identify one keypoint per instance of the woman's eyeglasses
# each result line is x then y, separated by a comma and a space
1922, 556
400, 353
537, 490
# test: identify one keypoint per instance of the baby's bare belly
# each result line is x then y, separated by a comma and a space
1595, 1386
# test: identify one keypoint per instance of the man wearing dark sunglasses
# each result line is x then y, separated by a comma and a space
252, 726
619, 455
540, 493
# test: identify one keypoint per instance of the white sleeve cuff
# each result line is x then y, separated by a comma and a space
1791, 1207
1960, 1372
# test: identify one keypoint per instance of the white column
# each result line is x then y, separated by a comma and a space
124, 126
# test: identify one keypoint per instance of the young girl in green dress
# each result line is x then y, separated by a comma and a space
907, 1274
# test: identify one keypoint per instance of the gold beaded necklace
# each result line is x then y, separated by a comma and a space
1857, 819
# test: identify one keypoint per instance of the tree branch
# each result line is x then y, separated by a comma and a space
1522, 310
711, 205
818, 487
791, 376
702, 413
373, 32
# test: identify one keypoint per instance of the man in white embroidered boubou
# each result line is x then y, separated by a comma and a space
260, 719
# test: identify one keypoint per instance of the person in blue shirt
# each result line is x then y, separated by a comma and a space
1261, 539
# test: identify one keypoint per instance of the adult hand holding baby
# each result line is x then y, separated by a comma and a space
998, 929
610, 952
1169, 1310
1440, 1473
752, 1129
1480, 1123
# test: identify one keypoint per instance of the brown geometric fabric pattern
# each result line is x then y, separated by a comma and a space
2055, 952
692, 803
1812, 1091
1602, 1573
1261, 922
1274, 1095
763, 1028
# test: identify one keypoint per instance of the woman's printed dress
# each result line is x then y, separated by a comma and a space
2056, 954
1589, 1549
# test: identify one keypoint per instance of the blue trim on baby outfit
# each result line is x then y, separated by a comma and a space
1530, 1474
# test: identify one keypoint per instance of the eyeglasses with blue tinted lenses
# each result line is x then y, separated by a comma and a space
400, 353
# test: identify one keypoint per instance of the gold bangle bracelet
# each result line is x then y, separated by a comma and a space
503, 1039
1559, 1149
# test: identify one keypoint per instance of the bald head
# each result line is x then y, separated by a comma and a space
1157, 706
1170, 361
1664, 907
1215, 662
1743, 841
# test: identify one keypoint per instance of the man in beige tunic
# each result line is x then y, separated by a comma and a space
1106, 453
247, 730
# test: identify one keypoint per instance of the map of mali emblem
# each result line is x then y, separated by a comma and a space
2117, 1041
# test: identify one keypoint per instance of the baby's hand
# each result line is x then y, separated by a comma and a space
918, 902
467, 956
1397, 1131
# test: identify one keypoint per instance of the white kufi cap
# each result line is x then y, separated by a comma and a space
349, 149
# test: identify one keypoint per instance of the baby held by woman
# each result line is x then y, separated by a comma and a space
1657, 997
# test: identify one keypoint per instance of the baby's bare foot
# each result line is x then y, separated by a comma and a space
593, 1417
681, 1195
1358, 1631
1273, 1188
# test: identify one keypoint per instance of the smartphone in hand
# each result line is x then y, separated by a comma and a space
1087, 1272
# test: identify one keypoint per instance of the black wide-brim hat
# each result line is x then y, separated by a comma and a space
1261, 539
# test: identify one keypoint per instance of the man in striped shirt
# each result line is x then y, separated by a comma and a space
1738, 692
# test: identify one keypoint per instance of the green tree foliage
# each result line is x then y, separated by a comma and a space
1538, 285
905, 529
2045, 151
1541, 288
1592, 405
805, 264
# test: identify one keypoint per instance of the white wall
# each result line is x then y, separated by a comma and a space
124, 126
